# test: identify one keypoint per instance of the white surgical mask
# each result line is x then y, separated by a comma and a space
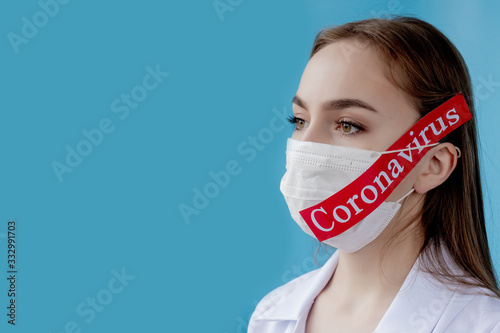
315, 171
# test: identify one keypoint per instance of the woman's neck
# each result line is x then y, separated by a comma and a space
366, 282
379, 269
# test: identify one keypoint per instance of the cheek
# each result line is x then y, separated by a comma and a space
389, 128
295, 135
409, 182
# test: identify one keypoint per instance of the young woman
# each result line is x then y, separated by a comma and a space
420, 265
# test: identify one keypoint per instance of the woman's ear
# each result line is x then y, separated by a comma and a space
437, 166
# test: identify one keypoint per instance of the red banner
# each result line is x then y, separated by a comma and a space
344, 209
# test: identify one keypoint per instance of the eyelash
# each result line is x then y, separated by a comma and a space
293, 120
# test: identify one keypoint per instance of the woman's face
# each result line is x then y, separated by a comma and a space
345, 98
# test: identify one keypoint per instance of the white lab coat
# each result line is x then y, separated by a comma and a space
422, 305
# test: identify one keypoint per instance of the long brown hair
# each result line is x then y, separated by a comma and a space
430, 70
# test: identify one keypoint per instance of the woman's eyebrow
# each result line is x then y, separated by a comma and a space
336, 104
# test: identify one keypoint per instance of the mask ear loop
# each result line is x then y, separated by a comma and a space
412, 148
406, 195
420, 147
399, 150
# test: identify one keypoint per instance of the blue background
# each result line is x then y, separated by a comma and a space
119, 209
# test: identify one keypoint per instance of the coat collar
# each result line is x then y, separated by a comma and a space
418, 306
292, 300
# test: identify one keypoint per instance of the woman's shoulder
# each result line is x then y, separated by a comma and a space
485, 300
485, 305
477, 313
465, 306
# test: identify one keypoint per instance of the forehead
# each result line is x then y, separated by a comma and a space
351, 69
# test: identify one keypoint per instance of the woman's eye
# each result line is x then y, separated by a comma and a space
346, 127
349, 128
299, 123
